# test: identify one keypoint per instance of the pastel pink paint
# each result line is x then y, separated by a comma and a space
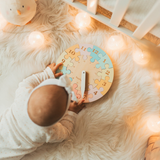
77, 93
7, 13
95, 92
28, 8
83, 50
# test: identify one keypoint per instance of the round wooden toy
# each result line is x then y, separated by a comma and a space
97, 65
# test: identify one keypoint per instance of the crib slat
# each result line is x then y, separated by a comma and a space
142, 43
119, 11
152, 18
92, 6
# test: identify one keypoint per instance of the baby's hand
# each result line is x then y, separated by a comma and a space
54, 68
76, 107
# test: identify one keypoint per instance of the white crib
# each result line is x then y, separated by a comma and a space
150, 20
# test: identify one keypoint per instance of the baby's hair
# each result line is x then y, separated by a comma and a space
47, 104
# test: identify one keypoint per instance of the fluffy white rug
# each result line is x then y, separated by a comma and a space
111, 128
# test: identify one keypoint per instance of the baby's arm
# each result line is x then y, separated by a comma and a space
64, 127
35, 79
12, 144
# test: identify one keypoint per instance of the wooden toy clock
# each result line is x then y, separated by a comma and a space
98, 67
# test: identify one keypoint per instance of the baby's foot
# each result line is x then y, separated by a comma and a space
153, 149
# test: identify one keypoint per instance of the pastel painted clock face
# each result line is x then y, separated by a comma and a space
97, 65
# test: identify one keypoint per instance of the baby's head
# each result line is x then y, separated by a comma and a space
47, 104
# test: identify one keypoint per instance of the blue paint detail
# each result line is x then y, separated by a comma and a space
64, 70
103, 61
95, 52
71, 79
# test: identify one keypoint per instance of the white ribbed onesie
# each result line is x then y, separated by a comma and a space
18, 134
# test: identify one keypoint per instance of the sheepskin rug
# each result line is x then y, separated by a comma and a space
112, 128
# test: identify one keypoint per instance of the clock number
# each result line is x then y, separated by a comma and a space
108, 72
95, 92
95, 51
72, 52
83, 48
104, 61
63, 60
104, 84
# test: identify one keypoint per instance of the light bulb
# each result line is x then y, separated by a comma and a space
115, 42
158, 82
3, 22
36, 39
140, 58
153, 123
82, 20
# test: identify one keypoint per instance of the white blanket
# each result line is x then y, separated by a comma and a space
111, 128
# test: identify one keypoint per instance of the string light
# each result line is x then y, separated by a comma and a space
158, 82
3, 22
154, 123
36, 39
83, 20
115, 42
140, 58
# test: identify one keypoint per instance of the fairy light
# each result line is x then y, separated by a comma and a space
3, 22
82, 20
36, 39
153, 123
115, 42
140, 58
158, 82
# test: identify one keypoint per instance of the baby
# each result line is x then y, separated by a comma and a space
42, 112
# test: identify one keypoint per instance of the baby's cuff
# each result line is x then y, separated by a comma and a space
73, 114
50, 73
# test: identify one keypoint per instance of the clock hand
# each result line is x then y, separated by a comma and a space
83, 82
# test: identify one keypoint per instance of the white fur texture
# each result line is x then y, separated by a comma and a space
112, 128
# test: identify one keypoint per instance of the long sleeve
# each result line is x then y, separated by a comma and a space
13, 143
35, 79
63, 129
17, 137
18, 134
